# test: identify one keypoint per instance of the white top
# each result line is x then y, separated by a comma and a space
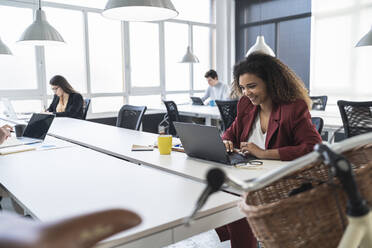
217, 92
256, 135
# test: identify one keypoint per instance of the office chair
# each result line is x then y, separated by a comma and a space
130, 116
80, 232
171, 116
228, 111
86, 108
319, 102
319, 123
356, 117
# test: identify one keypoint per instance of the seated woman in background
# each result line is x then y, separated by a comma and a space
66, 101
273, 122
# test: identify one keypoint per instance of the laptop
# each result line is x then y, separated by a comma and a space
35, 132
205, 142
10, 112
196, 100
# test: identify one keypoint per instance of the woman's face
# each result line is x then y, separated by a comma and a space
254, 88
57, 90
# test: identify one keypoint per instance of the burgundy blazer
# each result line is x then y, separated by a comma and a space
290, 128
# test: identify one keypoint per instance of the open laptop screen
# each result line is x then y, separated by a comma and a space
38, 126
196, 100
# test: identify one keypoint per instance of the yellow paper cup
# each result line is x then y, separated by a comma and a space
165, 144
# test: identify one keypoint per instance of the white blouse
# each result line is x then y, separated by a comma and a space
256, 135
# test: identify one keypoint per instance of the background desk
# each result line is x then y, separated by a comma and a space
203, 111
118, 142
71, 181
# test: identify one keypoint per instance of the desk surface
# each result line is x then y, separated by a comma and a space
118, 142
71, 181
192, 110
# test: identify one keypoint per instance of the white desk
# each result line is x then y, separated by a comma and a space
118, 142
71, 181
205, 111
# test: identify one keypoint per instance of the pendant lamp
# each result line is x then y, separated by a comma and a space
4, 50
40, 32
260, 45
366, 40
140, 10
189, 57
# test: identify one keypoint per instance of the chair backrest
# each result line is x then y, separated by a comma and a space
172, 115
86, 107
130, 116
319, 123
228, 111
356, 117
79, 232
319, 102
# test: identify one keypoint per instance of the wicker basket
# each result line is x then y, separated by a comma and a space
314, 218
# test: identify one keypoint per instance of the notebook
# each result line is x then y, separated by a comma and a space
35, 132
205, 142
16, 149
196, 100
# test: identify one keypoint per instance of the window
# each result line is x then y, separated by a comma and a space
195, 10
177, 75
338, 68
179, 98
67, 60
148, 100
135, 62
202, 49
18, 72
107, 104
27, 106
144, 54
105, 57
99, 4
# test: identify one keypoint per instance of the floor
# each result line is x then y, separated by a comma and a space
203, 240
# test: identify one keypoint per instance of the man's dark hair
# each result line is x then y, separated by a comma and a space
211, 73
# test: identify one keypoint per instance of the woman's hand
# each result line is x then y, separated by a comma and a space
5, 132
251, 148
229, 145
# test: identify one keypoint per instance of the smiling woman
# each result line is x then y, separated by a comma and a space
273, 122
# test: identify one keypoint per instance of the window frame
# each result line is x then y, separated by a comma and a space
41, 92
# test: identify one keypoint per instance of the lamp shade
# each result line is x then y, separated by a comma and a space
189, 57
260, 46
366, 40
140, 10
40, 32
4, 50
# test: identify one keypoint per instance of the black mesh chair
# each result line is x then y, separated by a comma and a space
319, 102
228, 111
85, 108
319, 123
356, 117
130, 116
171, 116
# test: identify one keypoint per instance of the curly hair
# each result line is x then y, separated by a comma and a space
283, 85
